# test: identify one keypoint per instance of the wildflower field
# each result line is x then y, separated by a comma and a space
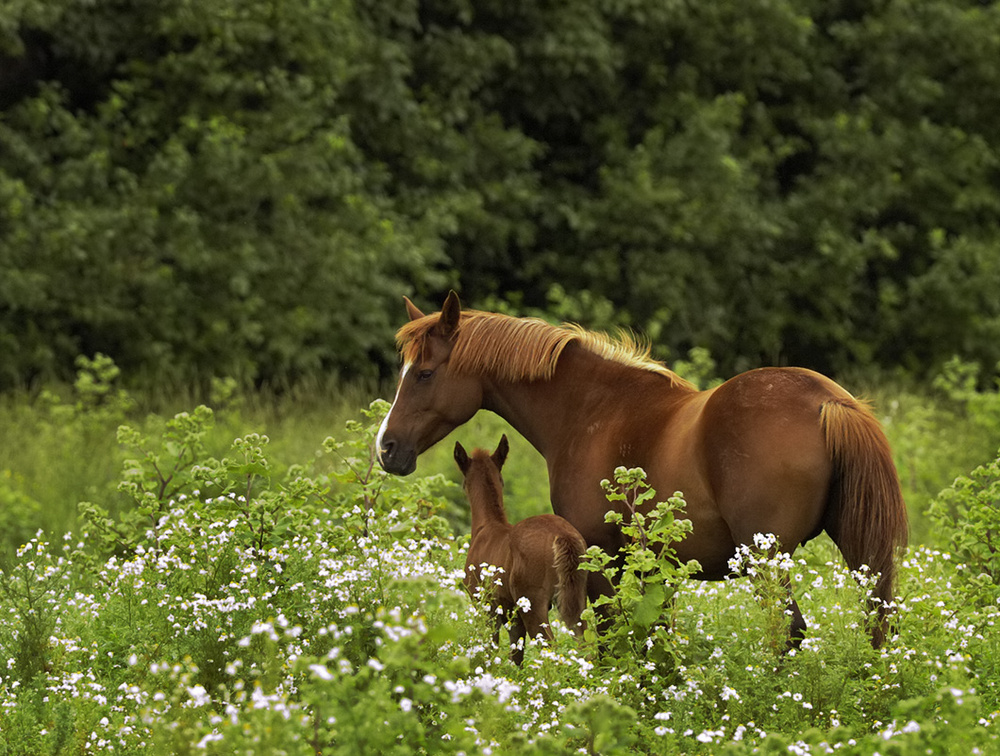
241, 606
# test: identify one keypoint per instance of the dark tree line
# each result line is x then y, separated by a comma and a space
246, 187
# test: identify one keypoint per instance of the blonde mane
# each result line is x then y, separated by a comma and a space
517, 349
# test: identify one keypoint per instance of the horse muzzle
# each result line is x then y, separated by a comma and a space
396, 459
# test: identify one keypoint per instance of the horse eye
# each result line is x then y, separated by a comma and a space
424, 375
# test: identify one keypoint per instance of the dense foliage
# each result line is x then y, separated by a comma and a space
246, 187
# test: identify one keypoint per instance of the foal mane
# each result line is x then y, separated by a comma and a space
517, 349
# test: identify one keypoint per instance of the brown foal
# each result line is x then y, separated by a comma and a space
539, 556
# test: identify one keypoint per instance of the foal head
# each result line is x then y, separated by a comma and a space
482, 471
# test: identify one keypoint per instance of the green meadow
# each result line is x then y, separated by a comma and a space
245, 579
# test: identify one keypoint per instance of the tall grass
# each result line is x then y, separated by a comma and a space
58, 446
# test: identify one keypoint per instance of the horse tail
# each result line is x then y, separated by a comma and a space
868, 515
571, 599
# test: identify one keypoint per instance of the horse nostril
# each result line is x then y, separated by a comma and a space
396, 458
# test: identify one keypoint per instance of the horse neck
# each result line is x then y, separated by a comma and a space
544, 411
485, 499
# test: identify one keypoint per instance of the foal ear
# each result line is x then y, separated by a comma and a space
461, 457
451, 311
412, 310
500, 455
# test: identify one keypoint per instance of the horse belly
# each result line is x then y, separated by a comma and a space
710, 541
667, 450
667, 445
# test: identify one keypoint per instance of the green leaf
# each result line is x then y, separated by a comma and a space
647, 610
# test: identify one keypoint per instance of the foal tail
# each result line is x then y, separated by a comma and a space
567, 550
868, 516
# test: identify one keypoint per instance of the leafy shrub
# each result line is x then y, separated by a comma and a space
967, 520
960, 382
635, 621
19, 512
32, 590
57, 445
153, 481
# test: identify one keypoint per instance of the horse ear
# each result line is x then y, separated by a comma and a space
451, 311
412, 310
461, 457
500, 455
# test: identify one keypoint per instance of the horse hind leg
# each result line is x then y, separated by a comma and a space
773, 589
879, 601
795, 632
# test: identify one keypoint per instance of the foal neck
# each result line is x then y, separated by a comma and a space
485, 491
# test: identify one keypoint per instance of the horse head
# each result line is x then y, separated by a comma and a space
432, 399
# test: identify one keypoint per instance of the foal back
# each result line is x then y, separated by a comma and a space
545, 553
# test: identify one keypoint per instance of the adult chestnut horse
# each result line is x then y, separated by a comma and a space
775, 450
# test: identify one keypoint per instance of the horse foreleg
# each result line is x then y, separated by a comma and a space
517, 631
597, 586
797, 628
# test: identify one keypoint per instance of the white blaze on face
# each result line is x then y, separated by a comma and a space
385, 420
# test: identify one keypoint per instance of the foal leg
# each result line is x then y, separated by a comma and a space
498, 622
536, 621
532, 623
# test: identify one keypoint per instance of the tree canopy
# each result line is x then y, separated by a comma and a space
247, 187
